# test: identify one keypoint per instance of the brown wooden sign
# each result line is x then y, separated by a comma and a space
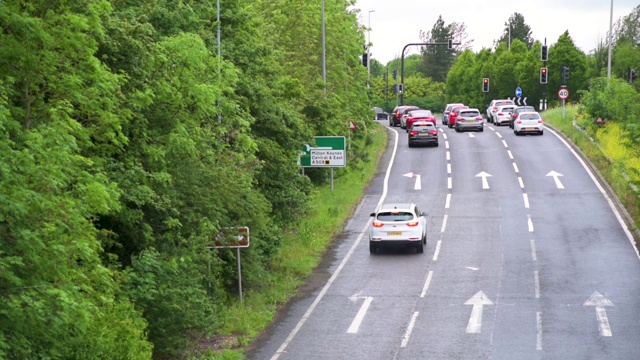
232, 237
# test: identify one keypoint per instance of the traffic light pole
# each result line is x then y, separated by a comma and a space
448, 43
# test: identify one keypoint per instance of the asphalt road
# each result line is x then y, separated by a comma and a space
526, 258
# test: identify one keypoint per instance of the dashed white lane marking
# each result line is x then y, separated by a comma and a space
447, 202
407, 334
536, 279
449, 168
448, 156
426, 284
444, 223
530, 223
510, 154
437, 252
505, 143
534, 255
526, 200
539, 331
521, 183
449, 183
515, 168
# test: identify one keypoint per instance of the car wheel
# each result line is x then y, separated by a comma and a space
373, 248
516, 132
457, 129
424, 238
420, 248
436, 145
410, 145
541, 133
481, 129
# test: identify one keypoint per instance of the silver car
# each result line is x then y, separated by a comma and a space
528, 122
503, 114
398, 224
469, 119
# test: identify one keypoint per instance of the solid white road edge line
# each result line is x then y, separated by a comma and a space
346, 258
604, 193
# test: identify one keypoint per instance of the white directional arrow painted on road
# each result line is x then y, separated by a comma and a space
484, 175
355, 324
478, 301
599, 302
418, 184
555, 178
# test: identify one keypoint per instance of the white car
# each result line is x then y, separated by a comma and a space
493, 107
528, 122
398, 224
503, 114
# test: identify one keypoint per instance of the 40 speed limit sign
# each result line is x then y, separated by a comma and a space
563, 94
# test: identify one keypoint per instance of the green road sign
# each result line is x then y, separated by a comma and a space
329, 151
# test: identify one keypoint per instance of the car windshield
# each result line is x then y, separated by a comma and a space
523, 109
420, 113
501, 103
395, 216
507, 109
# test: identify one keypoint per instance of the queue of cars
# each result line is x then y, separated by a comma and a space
404, 224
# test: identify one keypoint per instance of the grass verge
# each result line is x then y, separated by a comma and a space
303, 249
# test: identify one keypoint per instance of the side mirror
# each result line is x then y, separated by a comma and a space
373, 214
425, 214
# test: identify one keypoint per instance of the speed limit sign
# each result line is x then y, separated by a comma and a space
563, 94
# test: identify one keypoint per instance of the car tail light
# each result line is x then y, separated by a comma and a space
519, 121
539, 121
515, 115
377, 224
479, 118
433, 132
413, 133
499, 114
412, 223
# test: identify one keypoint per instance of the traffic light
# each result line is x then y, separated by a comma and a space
400, 88
485, 85
365, 60
565, 75
543, 75
632, 75
450, 44
544, 53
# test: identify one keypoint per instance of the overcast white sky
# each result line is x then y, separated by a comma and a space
395, 23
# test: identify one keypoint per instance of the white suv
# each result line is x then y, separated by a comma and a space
398, 224
493, 107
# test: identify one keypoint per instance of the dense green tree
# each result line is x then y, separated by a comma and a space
437, 59
515, 28
565, 53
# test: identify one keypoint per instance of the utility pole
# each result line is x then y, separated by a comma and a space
369, 50
324, 51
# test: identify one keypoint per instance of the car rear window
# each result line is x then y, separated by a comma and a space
395, 216
529, 116
501, 103
423, 127
469, 113
420, 113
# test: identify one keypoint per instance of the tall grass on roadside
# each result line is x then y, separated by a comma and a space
304, 246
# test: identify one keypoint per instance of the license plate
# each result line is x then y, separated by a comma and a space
424, 134
395, 233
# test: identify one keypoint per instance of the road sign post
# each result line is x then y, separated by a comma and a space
232, 237
329, 151
563, 94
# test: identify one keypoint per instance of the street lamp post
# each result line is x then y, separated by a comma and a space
610, 39
368, 50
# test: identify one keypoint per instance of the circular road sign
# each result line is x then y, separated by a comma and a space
563, 94
518, 91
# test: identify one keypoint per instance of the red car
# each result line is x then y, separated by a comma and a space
419, 115
454, 114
